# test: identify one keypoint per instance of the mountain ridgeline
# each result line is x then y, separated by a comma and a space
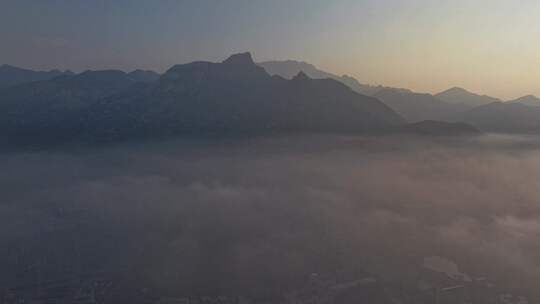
503, 117
413, 107
461, 96
234, 97
10, 75
529, 100
417, 107
290, 68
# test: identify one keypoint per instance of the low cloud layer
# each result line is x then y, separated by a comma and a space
261, 215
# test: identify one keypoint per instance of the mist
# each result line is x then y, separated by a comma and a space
257, 217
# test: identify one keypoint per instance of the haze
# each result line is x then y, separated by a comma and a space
487, 46
255, 217
269, 152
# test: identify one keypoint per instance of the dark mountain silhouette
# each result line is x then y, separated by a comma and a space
503, 117
10, 75
144, 76
416, 107
233, 97
290, 68
461, 96
55, 108
529, 100
439, 128
239, 97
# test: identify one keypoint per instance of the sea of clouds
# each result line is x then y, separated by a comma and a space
260, 215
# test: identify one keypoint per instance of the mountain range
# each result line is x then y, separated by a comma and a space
289, 68
55, 106
417, 107
237, 97
461, 96
528, 100
505, 117
414, 107
488, 113
10, 75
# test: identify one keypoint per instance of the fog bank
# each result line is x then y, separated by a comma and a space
259, 216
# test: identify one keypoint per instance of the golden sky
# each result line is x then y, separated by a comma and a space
486, 46
490, 47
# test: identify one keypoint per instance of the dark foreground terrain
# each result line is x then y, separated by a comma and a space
310, 219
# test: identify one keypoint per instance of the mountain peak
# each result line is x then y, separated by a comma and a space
457, 95
301, 76
143, 75
529, 100
241, 58
529, 97
456, 90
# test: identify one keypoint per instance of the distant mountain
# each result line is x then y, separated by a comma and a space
55, 108
416, 107
528, 100
503, 117
461, 96
290, 68
365, 89
439, 128
10, 75
232, 97
144, 76
239, 97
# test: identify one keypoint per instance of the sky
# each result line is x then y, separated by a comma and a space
487, 46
